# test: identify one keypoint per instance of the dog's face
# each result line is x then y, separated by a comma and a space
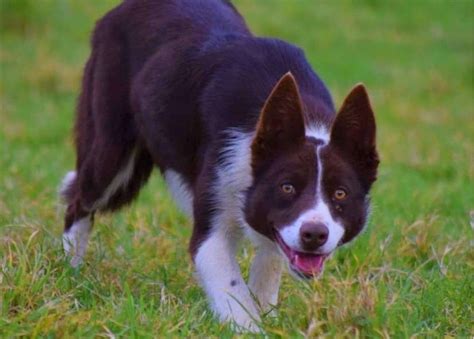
310, 193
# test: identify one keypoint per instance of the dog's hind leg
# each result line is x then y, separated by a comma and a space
112, 165
77, 230
86, 196
76, 237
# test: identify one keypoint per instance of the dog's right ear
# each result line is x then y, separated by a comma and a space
281, 122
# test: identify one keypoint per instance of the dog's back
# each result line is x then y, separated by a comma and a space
164, 79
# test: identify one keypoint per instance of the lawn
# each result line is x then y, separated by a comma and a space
410, 274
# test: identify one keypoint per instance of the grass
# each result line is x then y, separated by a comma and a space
411, 274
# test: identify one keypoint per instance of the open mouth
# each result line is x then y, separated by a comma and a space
304, 264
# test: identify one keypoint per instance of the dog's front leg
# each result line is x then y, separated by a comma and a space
265, 274
221, 278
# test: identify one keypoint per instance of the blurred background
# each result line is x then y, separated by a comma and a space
410, 273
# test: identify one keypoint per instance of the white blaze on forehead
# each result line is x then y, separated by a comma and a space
318, 132
319, 212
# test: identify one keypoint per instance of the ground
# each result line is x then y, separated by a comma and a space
410, 274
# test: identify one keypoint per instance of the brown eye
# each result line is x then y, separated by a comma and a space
340, 194
288, 189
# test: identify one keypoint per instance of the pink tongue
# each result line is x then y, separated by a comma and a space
308, 263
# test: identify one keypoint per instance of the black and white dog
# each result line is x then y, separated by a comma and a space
244, 132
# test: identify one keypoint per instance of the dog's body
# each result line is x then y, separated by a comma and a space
244, 132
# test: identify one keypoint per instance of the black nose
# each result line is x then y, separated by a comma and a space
313, 235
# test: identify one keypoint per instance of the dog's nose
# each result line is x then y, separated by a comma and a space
313, 235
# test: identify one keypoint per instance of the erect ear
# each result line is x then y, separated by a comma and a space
354, 132
281, 122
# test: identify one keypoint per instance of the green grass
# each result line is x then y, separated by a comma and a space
410, 274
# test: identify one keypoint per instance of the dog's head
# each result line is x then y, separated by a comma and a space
310, 190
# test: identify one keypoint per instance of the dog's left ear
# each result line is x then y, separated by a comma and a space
281, 122
353, 133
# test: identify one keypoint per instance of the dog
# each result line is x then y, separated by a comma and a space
245, 134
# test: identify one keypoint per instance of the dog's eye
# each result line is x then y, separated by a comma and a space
288, 189
340, 194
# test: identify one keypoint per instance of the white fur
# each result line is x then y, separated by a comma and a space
234, 175
318, 132
75, 240
180, 191
215, 259
219, 273
322, 212
120, 180
319, 213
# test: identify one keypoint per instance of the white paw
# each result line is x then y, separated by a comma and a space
75, 240
242, 323
75, 261
243, 317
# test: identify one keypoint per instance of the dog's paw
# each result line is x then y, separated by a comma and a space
245, 324
243, 317
76, 261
